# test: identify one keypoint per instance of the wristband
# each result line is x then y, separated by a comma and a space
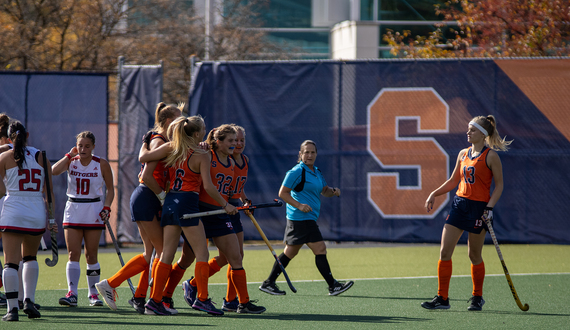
106, 208
161, 195
68, 156
226, 205
488, 208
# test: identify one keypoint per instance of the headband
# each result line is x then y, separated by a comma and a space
484, 131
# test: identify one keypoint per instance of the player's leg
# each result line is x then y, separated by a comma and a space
475, 248
92, 237
73, 240
231, 300
11, 243
178, 269
30, 273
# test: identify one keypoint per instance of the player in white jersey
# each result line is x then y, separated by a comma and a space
88, 207
4, 140
23, 219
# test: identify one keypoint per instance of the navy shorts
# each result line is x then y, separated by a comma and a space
236, 219
176, 204
466, 214
302, 232
216, 225
144, 204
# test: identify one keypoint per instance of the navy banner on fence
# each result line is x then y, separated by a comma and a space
389, 132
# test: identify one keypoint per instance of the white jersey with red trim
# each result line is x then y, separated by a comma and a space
85, 181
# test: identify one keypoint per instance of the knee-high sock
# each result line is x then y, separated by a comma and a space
276, 270
93, 276
240, 283
444, 270
201, 274
30, 275
176, 275
325, 269
214, 268
231, 291
153, 271
136, 265
11, 285
73, 271
142, 287
478, 276
21, 283
159, 280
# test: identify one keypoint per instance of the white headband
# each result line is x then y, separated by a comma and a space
484, 131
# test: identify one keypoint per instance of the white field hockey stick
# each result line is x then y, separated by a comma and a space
276, 203
272, 251
43, 244
54, 247
511, 285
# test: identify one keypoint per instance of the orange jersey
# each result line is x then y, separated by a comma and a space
160, 173
183, 178
240, 178
476, 177
222, 177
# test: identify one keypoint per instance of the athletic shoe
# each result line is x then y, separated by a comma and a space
230, 306
21, 305
477, 303
271, 288
138, 304
207, 306
339, 288
69, 300
11, 315
30, 309
250, 308
154, 308
437, 303
169, 305
94, 300
108, 293
190, 292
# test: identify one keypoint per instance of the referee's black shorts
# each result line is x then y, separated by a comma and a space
302, 232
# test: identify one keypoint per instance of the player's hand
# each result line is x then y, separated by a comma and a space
305, 208
429, 202
161, 197
204, 146
230, 209
146, 139
248, 203
52, 226
73, 151
488, 214
105, 213
336, 192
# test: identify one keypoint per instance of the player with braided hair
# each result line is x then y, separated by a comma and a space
475, 168
85, 212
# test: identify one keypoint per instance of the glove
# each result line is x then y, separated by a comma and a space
104, 214
161, 197
146, 139
488, 214
249, 203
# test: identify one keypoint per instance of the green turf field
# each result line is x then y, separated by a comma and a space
390, 284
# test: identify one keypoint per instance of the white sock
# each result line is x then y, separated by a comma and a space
10, 279
73, 271
30, 275
93, 276
21, 288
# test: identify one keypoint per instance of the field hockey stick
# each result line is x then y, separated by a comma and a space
272, 251
118, 252
511, 285
43, 244
54, 251
276, 203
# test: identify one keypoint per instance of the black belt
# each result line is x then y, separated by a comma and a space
83, 200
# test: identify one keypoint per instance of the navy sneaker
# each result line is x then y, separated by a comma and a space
437, 303
190, 292
250, 308
69, 300
207, 306
30, 309
339, 288
138, 304
271, 288
11, 315
230, 306
169, 305
154, 308
477, 303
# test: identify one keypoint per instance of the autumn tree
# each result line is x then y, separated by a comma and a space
491, 28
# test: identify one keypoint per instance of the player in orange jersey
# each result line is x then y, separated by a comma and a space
189, 168
476, 167
146, 205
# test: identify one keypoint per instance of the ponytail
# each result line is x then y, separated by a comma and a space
493, 139
18, 134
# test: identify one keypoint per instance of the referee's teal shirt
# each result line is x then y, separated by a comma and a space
310, 195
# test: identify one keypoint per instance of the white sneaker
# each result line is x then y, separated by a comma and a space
94, 300
108, 293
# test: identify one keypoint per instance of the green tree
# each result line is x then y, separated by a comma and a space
492, 28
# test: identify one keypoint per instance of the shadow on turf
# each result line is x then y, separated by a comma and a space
331, 318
